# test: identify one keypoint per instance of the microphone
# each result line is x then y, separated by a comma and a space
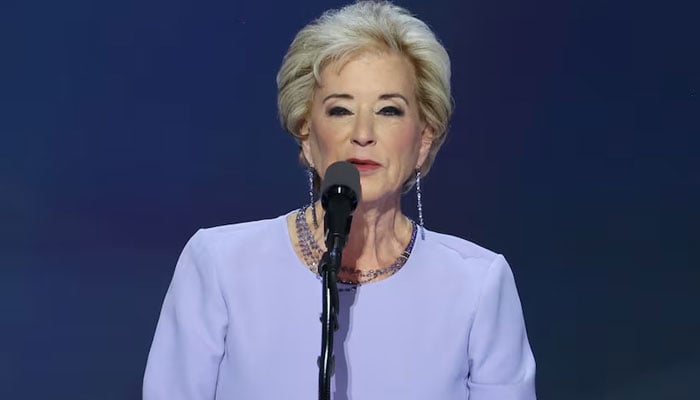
340, 193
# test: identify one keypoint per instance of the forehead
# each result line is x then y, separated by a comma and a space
369, 72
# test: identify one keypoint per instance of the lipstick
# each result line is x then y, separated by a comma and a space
364, 165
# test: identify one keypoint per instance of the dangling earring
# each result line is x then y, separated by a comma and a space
310, 174
420, 205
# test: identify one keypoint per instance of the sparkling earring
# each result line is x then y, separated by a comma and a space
420, 205
310, 175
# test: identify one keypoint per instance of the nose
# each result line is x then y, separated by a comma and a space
363, 133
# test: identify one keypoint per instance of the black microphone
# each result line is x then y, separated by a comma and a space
340, 193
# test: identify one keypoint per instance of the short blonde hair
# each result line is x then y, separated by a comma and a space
338, 35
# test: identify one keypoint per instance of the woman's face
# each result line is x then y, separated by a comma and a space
366, 112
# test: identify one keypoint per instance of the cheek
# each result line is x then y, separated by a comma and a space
321, 147
406, 145
329, 134
324, 144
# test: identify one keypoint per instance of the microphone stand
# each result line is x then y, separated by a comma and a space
329, 266
339, 199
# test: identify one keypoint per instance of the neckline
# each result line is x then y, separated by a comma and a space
299, 263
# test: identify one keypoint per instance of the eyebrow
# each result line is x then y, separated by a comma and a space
346, 96
392, 96
337, 96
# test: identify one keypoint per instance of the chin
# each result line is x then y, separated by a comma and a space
373, 195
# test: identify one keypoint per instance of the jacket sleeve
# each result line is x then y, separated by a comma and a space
188, 345
502, 366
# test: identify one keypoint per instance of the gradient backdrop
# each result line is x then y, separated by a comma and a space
127, 125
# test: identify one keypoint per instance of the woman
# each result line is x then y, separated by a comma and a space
423, 315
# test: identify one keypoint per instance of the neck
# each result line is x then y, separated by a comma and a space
378, 235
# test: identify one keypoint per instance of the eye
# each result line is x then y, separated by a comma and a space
391, 111
338, 111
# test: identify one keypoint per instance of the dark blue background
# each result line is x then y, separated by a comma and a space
127, 125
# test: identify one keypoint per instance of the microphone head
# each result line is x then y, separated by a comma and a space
343, 179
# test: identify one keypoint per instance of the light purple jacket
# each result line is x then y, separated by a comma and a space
240, 321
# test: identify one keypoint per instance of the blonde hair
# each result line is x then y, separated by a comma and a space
338, 35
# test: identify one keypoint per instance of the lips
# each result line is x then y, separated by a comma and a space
364, 165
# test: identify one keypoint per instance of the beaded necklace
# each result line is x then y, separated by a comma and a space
312, 252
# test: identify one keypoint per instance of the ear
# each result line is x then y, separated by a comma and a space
305, 131
427, 137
